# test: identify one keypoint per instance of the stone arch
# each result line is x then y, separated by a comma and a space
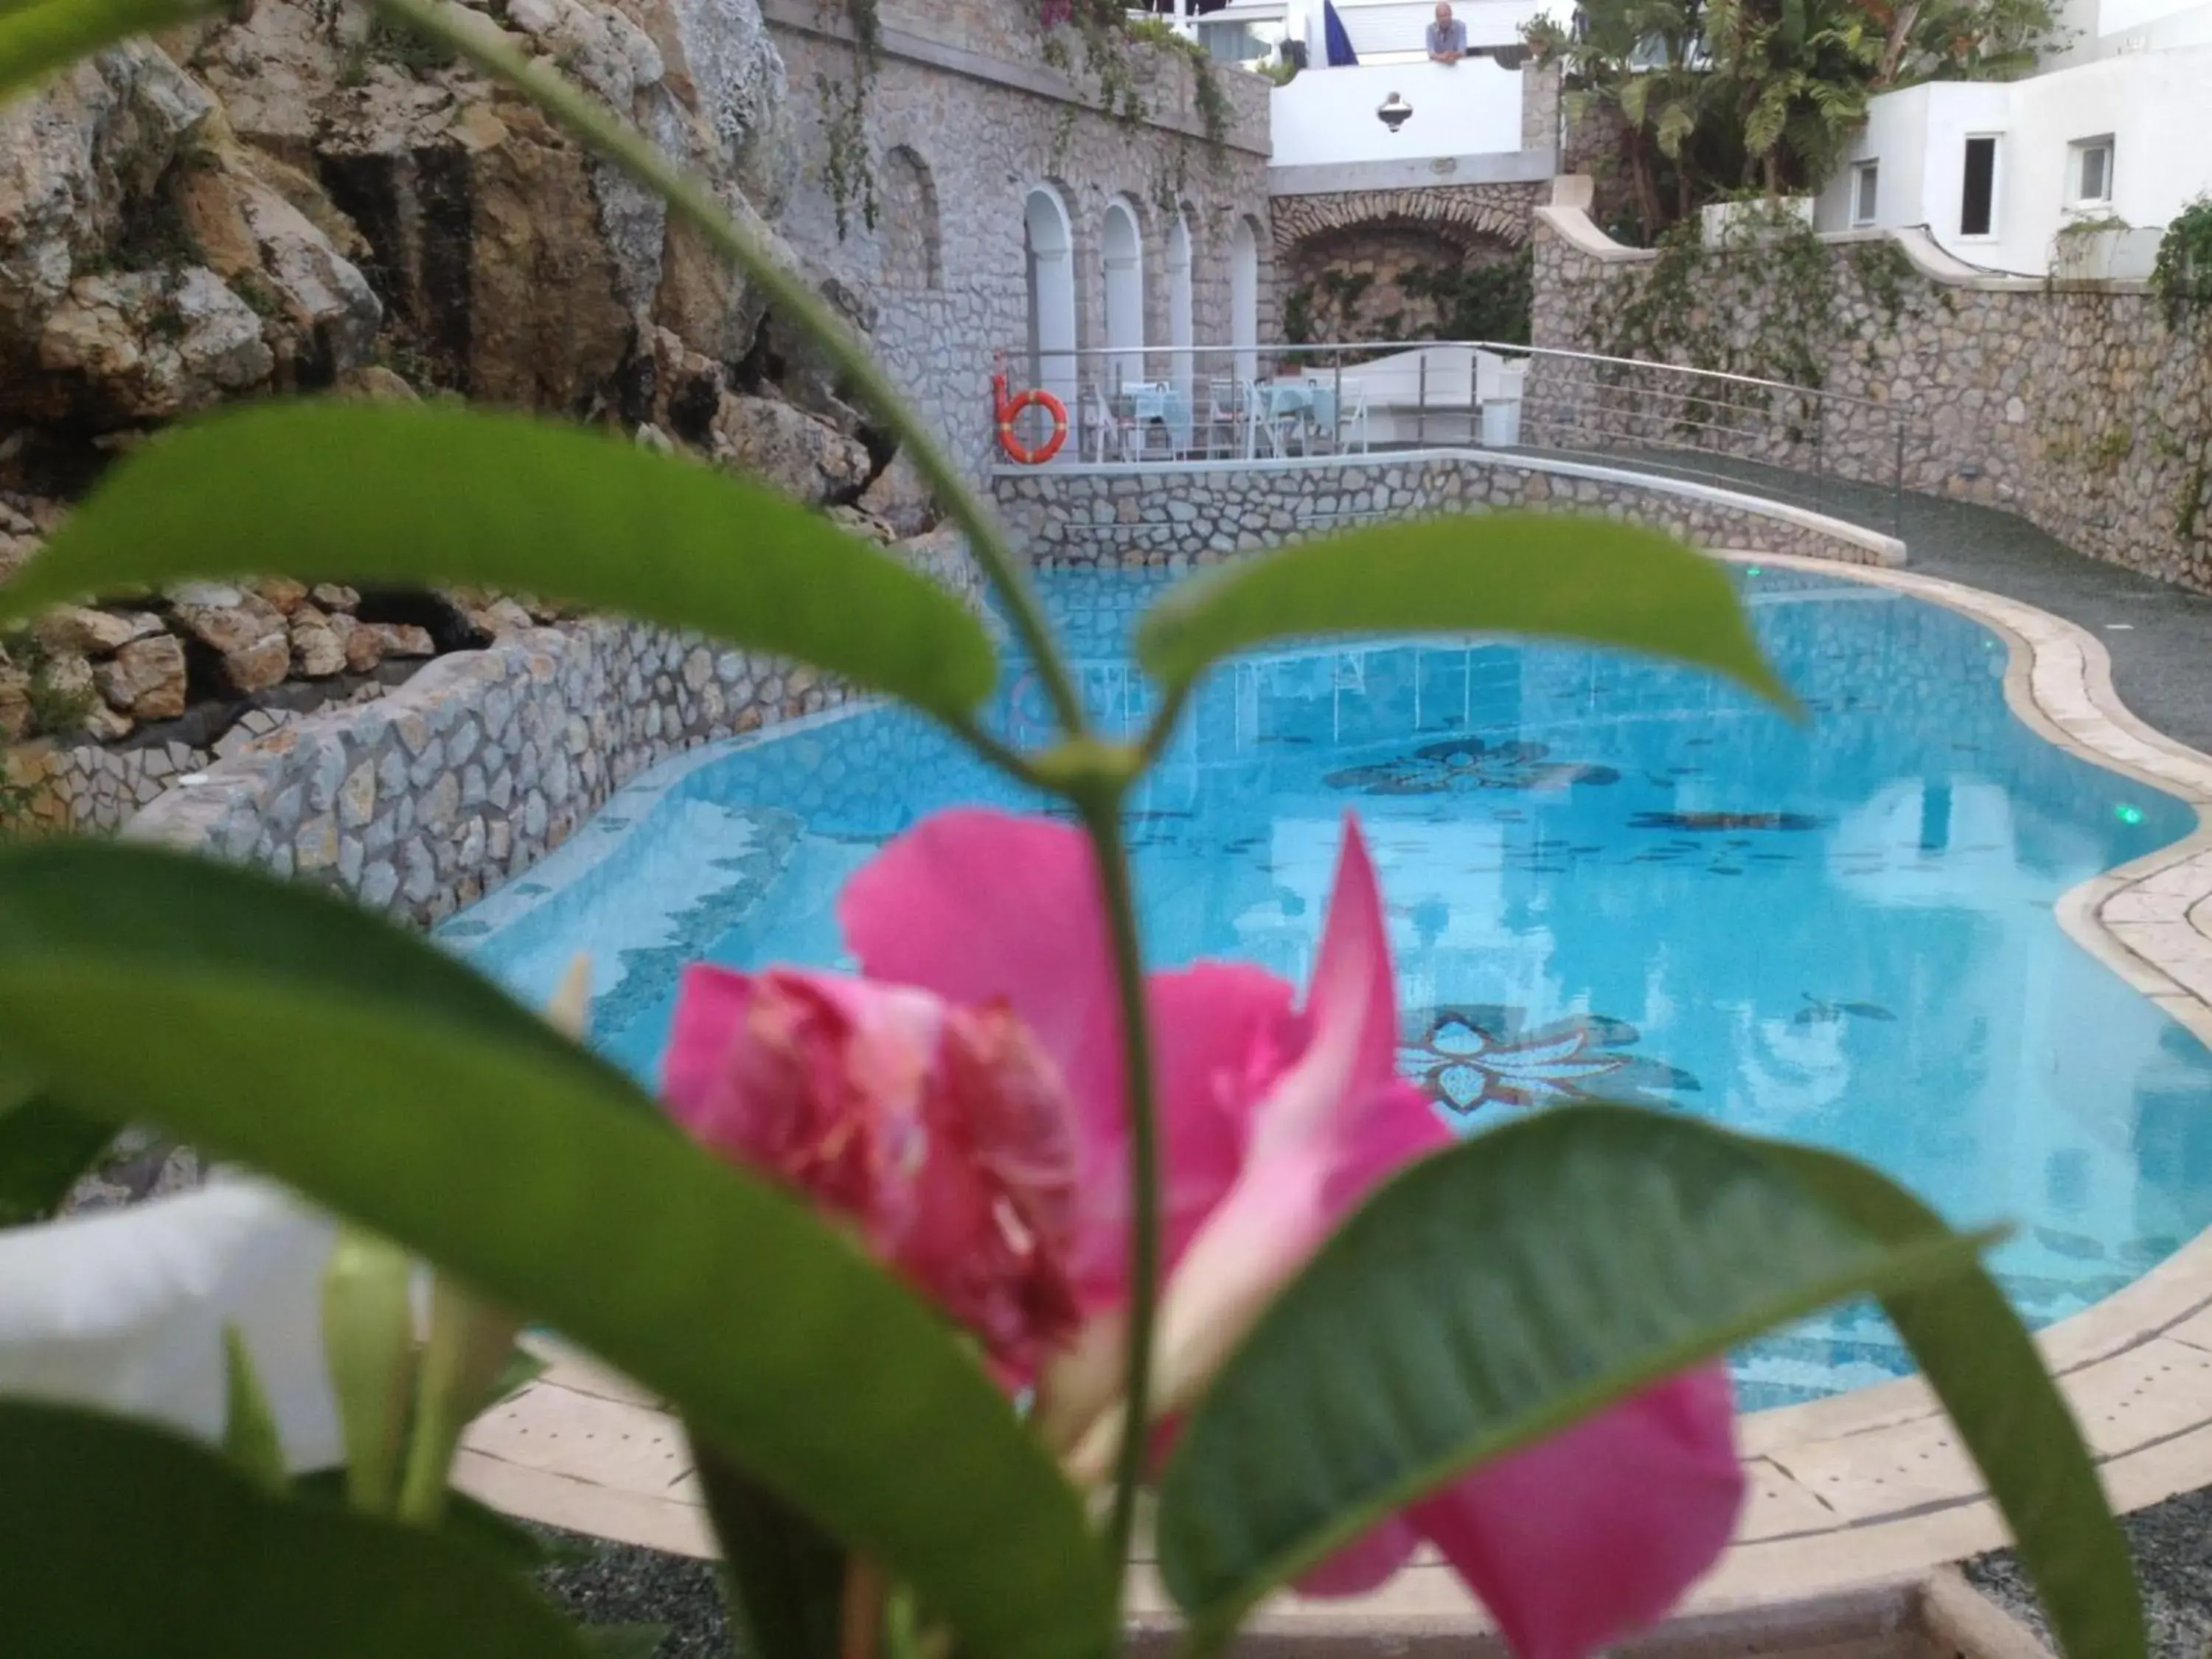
913, 245
1180, 261
1049, 259
1465, 213
1121, 267
1408, 265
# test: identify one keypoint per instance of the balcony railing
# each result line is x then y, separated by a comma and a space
1139, 408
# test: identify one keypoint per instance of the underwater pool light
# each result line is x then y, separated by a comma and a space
2127, 814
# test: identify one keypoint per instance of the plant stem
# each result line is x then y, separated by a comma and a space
1101, 816
860, 1612
472, 36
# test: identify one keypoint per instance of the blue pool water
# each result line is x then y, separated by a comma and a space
1604, 877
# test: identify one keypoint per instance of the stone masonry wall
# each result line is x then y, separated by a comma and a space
956, 155
1176, 517
1363, 284
2082, 408
422, 800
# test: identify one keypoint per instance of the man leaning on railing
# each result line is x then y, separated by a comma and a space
1447, 36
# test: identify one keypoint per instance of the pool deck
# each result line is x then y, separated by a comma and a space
1866, 1488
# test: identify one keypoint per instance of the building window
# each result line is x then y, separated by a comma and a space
2089, 171
1865, 176
1978, 204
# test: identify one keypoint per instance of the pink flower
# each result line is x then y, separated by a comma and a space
943, 1131
1277, 1120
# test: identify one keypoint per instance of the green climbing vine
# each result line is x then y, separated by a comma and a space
849, 173
1477, 301
1882, 269
1460, 301
1107, 34
1760, 301
2183, 275
2189, 500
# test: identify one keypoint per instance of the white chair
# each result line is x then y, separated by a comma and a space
1264, 423
1225, 417
1114, 435
1351, 423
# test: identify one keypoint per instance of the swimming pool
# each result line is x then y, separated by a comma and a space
1604, 877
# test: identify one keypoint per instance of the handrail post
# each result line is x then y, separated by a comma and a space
1421, 405
1897, 482
1820, 452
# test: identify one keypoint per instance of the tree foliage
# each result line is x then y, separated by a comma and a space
1717, 97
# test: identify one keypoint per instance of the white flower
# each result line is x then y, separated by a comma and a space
124, 1311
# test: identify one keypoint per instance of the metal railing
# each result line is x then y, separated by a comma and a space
1836, 453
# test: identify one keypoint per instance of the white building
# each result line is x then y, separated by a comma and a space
1327, 116
2116, 126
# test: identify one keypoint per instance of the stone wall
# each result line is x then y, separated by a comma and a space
2081, 407
422, 800
965, 119
1074, 517
1377, 283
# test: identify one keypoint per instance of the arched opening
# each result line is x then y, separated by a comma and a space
1244, 299
913, 254
1180, 337
1394, 279
1123, 251
1049, 254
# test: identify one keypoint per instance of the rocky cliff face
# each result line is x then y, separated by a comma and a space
295, 198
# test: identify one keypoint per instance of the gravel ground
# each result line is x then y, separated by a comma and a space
621, 1584
2160, 641
2174, 1563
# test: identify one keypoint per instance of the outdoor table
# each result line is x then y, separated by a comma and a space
1163, 404
1309, 401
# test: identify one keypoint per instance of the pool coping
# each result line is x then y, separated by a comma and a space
1868, 1488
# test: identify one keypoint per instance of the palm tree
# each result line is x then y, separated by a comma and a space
1643, 58
1796, 75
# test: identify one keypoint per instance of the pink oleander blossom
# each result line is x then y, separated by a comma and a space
1277, 1119
942, 1131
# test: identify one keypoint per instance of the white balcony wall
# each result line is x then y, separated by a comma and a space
2102, 28
1327, 116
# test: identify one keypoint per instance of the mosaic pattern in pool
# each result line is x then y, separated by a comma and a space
1606, 878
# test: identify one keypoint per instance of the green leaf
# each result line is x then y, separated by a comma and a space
382, 494
1985, 1368
369, 1349
39, 39
786, 1579
548, 1184
46, 1149
250, 1439
1550, 576
1484, 1298
63, 890
465, 1521
522, 1369
123, 1542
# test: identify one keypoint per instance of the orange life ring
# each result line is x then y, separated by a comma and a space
1008, 408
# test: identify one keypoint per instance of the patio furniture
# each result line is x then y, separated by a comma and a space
1113, 435
1296, 412
1160, 407
1264, 420
1225, 415
1353, 428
